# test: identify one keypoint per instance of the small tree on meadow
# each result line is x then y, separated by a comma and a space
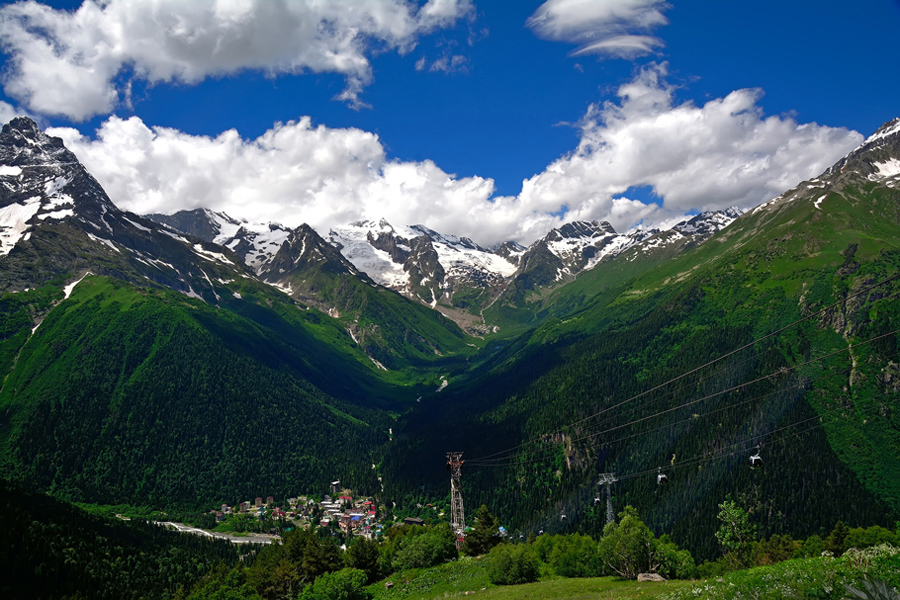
736, 534
629, 547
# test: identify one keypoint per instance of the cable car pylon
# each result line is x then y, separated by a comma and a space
608, 479
457, 515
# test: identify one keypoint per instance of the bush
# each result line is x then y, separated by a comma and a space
629, 548
575, 556
427, 549
346, 584
714, 568
512, 564
674, 562
812, 547
872, 536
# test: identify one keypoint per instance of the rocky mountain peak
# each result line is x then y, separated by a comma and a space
877, 158
23, 143
25, 127
581, 229
708, 222
42, 182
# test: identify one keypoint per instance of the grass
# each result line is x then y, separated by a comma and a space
821, 577
811, 578
455, 579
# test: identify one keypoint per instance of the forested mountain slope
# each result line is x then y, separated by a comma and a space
145, 366
52, 549
820, 397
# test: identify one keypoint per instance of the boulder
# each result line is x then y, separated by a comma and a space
650, 577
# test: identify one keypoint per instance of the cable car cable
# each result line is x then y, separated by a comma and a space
780, 371
715, 360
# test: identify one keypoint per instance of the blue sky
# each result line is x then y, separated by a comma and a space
762, 95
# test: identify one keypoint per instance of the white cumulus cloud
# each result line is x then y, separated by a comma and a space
79, 63
294, 173
724, 153
615, 28
8, 112
721, 154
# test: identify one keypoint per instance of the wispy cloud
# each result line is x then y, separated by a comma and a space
615, 28
73, 63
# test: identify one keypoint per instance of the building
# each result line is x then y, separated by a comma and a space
244, 507
270, 500
413, 521
258, 501
336, 486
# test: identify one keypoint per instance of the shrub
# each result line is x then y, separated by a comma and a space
811, 547
346, 584
512, 564
576, 556
427, 549
674, 562
872, 536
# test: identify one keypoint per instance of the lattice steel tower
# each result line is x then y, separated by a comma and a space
457, 516
608, 479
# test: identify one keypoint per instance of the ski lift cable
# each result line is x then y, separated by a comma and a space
688, 462
673, 393
822, 414
715, 360
742, 444
718, 455
751, 440
512, 460
798, 386
780, 371
818, 415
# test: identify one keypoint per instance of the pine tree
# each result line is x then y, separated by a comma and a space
835, 541
484, 535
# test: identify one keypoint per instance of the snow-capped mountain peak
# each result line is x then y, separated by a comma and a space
708, 222
39, 182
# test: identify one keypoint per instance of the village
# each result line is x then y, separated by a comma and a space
339, 510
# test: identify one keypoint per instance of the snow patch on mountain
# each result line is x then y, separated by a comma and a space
173, 235
459, 258
57, 214
14, 222
137, 225
211, 256
103, 241
886, 169
67, 290
354, 244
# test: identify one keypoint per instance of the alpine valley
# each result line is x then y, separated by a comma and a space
179, 361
